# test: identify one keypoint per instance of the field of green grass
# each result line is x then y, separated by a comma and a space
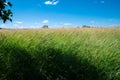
60, 54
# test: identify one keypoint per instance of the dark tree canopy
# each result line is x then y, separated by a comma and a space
5, 13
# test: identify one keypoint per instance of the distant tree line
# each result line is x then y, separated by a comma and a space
85, 26
45, 26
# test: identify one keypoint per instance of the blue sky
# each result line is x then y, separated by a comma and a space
63, 13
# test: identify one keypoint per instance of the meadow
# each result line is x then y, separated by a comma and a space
60, 54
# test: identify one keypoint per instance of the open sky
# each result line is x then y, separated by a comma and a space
63, 13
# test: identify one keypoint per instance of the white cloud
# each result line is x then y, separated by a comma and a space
48, 3
53, 2
18, 22
67, 24
45, 21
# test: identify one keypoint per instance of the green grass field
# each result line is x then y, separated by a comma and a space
60, 54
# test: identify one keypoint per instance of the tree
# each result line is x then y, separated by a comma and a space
5, 14
85, 26
45, 26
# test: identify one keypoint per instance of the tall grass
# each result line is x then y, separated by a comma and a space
60, 54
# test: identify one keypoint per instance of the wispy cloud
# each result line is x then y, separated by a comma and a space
2, 26
53, 2
102, 2
113, 20
99, 1
67, 24
115, 25
45, 21
18, 22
